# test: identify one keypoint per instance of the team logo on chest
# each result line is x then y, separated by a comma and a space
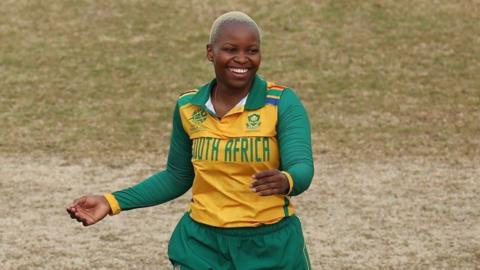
198, 117
253, 121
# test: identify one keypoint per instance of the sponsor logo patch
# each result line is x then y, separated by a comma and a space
198, 117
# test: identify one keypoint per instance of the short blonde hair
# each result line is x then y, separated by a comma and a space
232, 17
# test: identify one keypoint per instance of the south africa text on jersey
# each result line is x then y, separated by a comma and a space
249, 149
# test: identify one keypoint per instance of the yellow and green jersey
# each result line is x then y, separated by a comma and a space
217, 157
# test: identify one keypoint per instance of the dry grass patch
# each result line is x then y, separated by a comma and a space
390, 214
380, 78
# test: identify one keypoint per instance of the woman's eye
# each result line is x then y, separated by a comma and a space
230, 50
253, 51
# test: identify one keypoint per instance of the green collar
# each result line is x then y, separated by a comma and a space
255, 100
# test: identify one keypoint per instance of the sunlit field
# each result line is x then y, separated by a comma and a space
87, 90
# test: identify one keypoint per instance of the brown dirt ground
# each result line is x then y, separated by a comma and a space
407, 213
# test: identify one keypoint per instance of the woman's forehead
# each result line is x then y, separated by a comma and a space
237, 30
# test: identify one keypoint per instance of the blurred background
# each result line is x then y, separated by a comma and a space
87, 90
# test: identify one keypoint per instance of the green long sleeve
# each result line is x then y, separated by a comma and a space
295, 158
166, 185
295, 141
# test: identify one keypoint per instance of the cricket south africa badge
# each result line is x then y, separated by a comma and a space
253, 121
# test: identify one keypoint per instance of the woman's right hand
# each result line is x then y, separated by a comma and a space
89, 209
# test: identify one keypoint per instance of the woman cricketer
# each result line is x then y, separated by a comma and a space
242, 144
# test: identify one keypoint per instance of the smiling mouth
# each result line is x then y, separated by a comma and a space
238, 70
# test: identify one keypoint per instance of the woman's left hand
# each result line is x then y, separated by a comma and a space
270, 182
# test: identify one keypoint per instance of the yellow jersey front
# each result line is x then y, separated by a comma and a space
227, 152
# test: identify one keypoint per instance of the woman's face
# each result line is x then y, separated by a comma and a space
235, 55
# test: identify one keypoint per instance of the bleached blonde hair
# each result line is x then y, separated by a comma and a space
232, 17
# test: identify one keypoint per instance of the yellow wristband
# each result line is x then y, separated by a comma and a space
290, 181
113, 203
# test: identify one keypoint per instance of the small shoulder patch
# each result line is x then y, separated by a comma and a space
274, 92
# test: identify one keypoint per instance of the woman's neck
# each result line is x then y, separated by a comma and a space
224, 99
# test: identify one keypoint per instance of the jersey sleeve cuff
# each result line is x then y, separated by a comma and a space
113, 203
290, 181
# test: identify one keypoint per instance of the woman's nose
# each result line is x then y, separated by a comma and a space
241, 58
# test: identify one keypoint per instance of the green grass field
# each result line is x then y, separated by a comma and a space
87, 90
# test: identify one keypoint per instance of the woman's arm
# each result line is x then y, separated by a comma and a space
295, 145
166, 185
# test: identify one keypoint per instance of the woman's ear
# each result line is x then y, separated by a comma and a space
209, 53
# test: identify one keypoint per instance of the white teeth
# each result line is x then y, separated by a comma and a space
239, 70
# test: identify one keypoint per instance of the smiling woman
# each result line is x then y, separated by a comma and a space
243, 145
234, 50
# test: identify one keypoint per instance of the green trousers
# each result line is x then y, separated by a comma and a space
279, 246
